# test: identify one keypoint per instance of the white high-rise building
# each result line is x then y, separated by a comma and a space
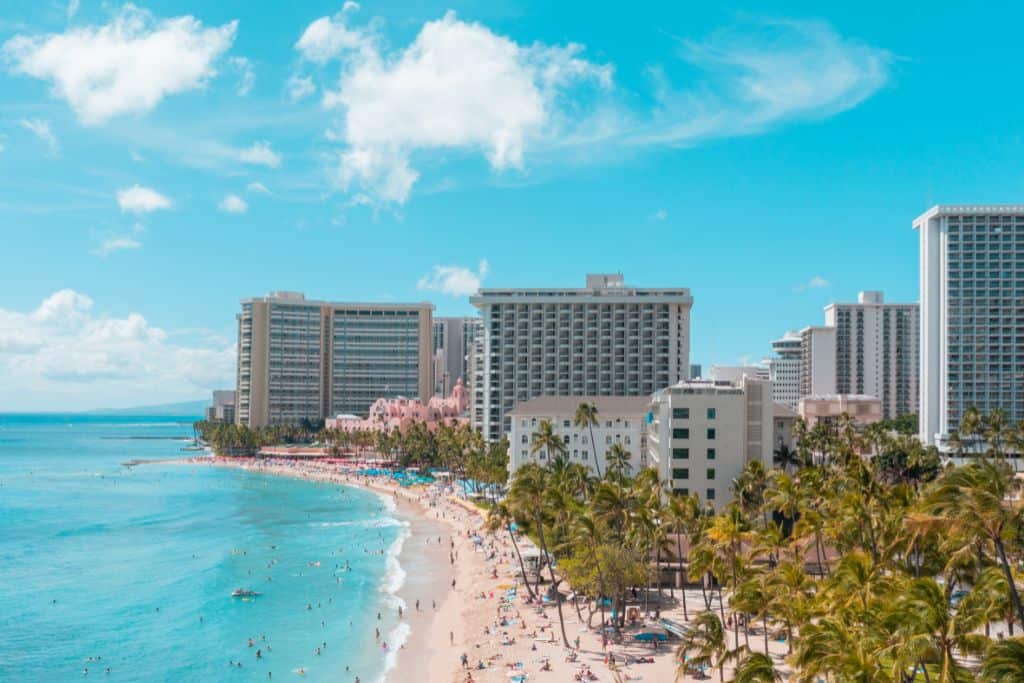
817, 360
877, 351
606, 339
703, 433
784, 370
972, 314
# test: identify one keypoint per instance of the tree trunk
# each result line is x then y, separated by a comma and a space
522, 565
554, 582
1014, 597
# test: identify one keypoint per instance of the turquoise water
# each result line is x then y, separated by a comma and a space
136, 566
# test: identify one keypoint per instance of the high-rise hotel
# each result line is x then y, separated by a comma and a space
606, 339
972, 314
301, 359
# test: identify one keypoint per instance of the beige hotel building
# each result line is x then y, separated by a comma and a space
313, 359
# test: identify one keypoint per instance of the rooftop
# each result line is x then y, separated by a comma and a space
969, 210
565, 405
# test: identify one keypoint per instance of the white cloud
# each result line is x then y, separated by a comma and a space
260, 154
139, 199
816, 282
454, 280
350, 6
72, 9
257, 188
659, 215
41, 129
759, 74
114, 243
457, 86
124, 67
300, 87
233, 204
327, 38
64, 355
246, 75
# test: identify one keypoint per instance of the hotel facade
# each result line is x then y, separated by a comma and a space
877, 351
702, 434
300, 359
606, 339
972, 315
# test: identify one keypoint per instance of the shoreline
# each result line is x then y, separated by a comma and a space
486, 617
423, 561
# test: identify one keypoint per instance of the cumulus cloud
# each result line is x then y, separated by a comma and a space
72, 9
327, 38
41, 129
457, 86
233, 204
246, 75
64, 355
260, 154
257, 188
816, 282
460, 86
115, 243
300, 87
124, 67
138, 199
454, 280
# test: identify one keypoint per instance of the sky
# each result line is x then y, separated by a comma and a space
163, 160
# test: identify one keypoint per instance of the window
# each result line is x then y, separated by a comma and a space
522, 423
584, 440
525, 438
565, 439
684, 491
711, 474
565, 423
711, 454
681, 453
533, 422
711, 433
627, 439
680, 413
710, 494
523, 453
608, 424
680, 433
585, 455
711, 413
575, 454
680, 473
608, 439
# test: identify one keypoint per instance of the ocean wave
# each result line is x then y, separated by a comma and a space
394, 575
378, 523
397, 637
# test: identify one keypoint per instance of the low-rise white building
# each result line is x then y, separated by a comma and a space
703, 433
620, 419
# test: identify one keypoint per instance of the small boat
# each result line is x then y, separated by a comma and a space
243, 593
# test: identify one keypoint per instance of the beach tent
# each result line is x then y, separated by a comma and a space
651, 633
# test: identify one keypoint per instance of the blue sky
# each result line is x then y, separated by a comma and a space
162, 161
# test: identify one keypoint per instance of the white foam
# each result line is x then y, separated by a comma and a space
394, 575
380, 523
396, 638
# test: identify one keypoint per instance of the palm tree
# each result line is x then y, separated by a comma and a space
547, 442
500, 517
756, 668
586, 416
703, 645
682, 514
1004, 662
784, 456
618, 460
975, 501
529, 498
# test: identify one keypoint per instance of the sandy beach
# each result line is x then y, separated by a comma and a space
485, 615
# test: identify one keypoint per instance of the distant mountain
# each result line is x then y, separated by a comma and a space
185, 408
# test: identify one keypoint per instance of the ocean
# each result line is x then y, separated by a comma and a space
133, 568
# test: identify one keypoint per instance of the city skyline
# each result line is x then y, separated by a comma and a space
136, 218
